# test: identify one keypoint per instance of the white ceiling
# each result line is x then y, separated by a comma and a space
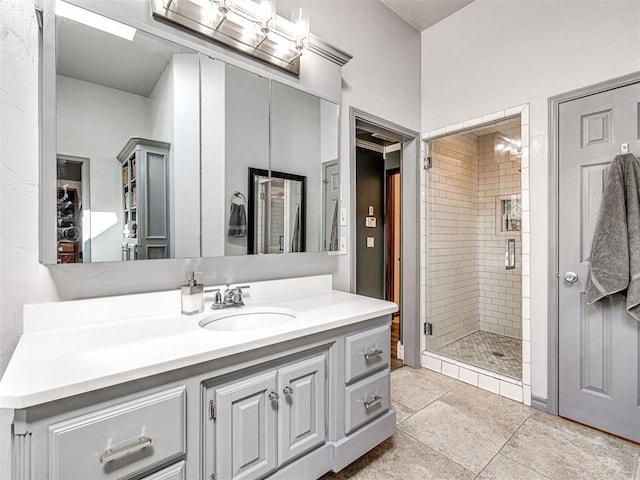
421, 14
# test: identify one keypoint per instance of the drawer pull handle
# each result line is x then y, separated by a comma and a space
376, 401
288, 391
376, 353
111, 455
273, 396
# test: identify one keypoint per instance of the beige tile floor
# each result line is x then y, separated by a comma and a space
450, 430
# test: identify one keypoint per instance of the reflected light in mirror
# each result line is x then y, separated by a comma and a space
94, 20
101, 222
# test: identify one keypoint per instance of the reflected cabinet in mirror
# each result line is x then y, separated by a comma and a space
153, 144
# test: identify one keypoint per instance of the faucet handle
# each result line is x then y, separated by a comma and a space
242, 287
217, 300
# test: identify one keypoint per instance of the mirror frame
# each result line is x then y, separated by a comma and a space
255, 172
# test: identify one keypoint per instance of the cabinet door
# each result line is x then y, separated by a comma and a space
302, 408
246, 428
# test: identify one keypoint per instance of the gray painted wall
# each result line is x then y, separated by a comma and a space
370, 186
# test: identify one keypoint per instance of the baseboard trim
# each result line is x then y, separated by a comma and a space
539, 403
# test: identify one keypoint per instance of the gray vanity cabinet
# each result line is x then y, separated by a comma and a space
266, 420
291, 410
145, 188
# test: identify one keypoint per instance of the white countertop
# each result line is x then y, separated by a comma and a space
51, 363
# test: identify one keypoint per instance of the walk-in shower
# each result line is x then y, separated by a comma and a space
473, 247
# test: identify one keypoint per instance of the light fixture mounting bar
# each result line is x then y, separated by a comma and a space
206, 23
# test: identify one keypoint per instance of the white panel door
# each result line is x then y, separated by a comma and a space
302, 407
246, 428
598, 344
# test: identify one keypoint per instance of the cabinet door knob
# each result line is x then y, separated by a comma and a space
273, 396
288, 391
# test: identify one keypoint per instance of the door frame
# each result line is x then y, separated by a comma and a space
409, 217
389, 234
551, 405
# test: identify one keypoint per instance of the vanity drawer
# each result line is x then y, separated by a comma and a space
366, 400
366, 351
120, 440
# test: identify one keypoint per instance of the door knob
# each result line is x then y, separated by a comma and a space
288, 391
571, 277
273, 396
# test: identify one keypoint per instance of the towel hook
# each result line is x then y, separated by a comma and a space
238, 195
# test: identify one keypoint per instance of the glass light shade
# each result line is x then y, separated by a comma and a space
301, 23
266, 10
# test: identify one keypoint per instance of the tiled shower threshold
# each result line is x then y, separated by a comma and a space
476, 376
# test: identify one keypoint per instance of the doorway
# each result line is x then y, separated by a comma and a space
598, 345
385, 228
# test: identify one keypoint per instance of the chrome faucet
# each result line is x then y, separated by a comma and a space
232, 297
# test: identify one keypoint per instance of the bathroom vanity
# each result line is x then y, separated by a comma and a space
126, 387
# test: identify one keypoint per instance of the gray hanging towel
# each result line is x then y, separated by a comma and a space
615, 252
237, 221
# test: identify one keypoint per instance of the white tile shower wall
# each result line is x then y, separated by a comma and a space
500, 289
452, 239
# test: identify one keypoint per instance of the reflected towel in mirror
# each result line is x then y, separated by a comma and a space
237, 221
295, 242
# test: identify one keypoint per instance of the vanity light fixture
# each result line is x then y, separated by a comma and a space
249, 26
94, 20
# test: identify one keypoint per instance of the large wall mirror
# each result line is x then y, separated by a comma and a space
154, 142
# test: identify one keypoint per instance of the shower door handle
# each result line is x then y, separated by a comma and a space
571, 277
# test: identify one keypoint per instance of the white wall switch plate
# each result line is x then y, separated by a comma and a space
343, 244
343, 216
370, 210
370, 242
370, 222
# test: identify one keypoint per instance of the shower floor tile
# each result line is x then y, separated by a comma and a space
493, 352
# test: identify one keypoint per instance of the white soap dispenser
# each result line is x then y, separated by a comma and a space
192, 297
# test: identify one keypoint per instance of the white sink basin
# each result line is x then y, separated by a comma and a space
247, 318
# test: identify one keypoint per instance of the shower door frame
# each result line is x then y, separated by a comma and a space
521, 389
